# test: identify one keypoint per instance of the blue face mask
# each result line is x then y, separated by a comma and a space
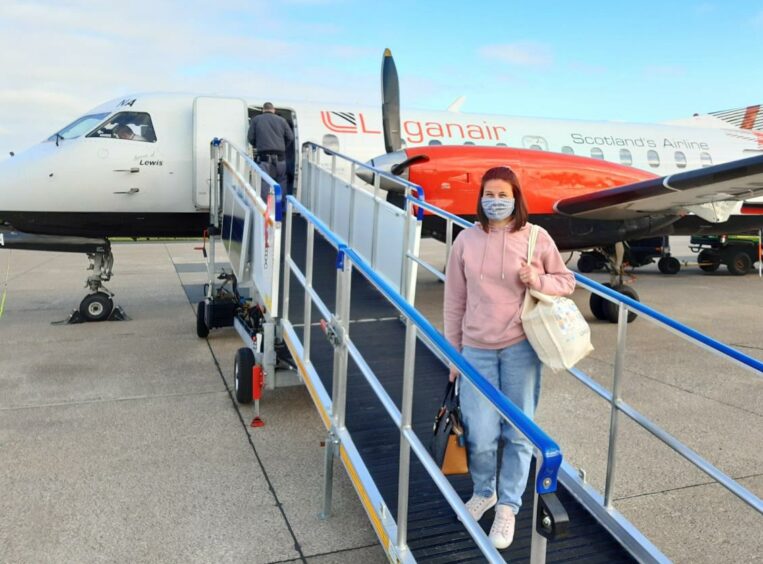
497, 209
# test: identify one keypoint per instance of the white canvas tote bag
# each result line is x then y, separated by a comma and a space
554, 326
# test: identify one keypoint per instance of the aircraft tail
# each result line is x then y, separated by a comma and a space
750, 117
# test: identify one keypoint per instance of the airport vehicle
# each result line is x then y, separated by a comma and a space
90, 180
737, 252
638, 252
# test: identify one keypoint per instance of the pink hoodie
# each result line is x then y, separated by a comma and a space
483, 292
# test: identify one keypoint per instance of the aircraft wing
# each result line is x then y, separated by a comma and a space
713, 193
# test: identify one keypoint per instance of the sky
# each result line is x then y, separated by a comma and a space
645, 61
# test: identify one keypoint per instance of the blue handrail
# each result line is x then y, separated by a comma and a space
550, 451
672, 324
439, 211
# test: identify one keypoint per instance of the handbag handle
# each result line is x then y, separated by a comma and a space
450, 392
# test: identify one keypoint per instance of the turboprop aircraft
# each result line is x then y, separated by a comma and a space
139, 166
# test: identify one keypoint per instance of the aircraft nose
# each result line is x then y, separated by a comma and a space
385, 163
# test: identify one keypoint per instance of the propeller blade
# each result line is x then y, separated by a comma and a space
390, 104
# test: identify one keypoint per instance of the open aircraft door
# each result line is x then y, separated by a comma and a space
214, 116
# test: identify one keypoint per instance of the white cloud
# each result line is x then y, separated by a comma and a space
521, 53
61, 58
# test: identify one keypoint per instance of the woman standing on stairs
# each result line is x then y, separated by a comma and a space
487, 276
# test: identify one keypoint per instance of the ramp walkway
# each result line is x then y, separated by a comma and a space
332, 275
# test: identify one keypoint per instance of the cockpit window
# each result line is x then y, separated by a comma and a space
78, 127
130, 126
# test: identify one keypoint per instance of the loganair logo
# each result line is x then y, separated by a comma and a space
415, 131
346, 122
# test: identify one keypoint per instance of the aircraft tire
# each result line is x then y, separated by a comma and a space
242, 375
739, 264
202, 331
586, 263
612, 309
708, 260
96, 307
597, 305
669, 265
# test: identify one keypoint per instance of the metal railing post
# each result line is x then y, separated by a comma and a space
622, 326
405, 270
308, 311
287, 256
375, 228
333, 193
409, 361
343, 297
332, 444
448, 238
538, 541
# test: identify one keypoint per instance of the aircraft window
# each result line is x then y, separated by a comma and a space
567, 150
129, 126
535, 147
468, 142
435, 142
706, 159
597, 153
501, 145
331, 141
79, 126
653, 157
680, 159
625, 157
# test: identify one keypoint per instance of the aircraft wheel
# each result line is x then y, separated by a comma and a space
597, 305
612, 309
669, 265
708, 260
586, 263
242, 375
740, 264
201, 320
96, 307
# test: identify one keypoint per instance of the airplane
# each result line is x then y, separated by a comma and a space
139, 166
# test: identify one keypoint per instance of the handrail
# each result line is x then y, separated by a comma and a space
549, 450
618, 405
675, 326
277, 190
389, 175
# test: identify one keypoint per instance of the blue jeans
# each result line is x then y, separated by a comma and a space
515, 371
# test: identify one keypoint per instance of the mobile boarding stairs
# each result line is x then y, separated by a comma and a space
331, 277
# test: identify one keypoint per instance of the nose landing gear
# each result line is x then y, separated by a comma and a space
98, 305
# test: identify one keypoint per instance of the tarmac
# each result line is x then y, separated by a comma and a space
120, 441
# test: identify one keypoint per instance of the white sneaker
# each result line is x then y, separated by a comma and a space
502, 531
477, 505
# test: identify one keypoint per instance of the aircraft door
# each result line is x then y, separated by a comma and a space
214, 117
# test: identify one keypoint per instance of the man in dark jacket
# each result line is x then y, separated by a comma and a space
270, 135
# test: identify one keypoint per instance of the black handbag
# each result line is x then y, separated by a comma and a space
448, 446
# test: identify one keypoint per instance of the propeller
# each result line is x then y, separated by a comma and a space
390, 104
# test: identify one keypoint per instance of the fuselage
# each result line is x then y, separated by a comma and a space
90, 181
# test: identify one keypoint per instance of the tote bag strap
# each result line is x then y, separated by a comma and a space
529, 300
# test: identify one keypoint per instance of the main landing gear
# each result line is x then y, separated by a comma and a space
602, 308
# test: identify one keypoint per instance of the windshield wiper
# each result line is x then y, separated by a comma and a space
59, 136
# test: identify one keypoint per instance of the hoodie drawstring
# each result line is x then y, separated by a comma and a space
503, 254
484, 253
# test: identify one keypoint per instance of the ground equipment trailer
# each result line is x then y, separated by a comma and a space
737, 252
